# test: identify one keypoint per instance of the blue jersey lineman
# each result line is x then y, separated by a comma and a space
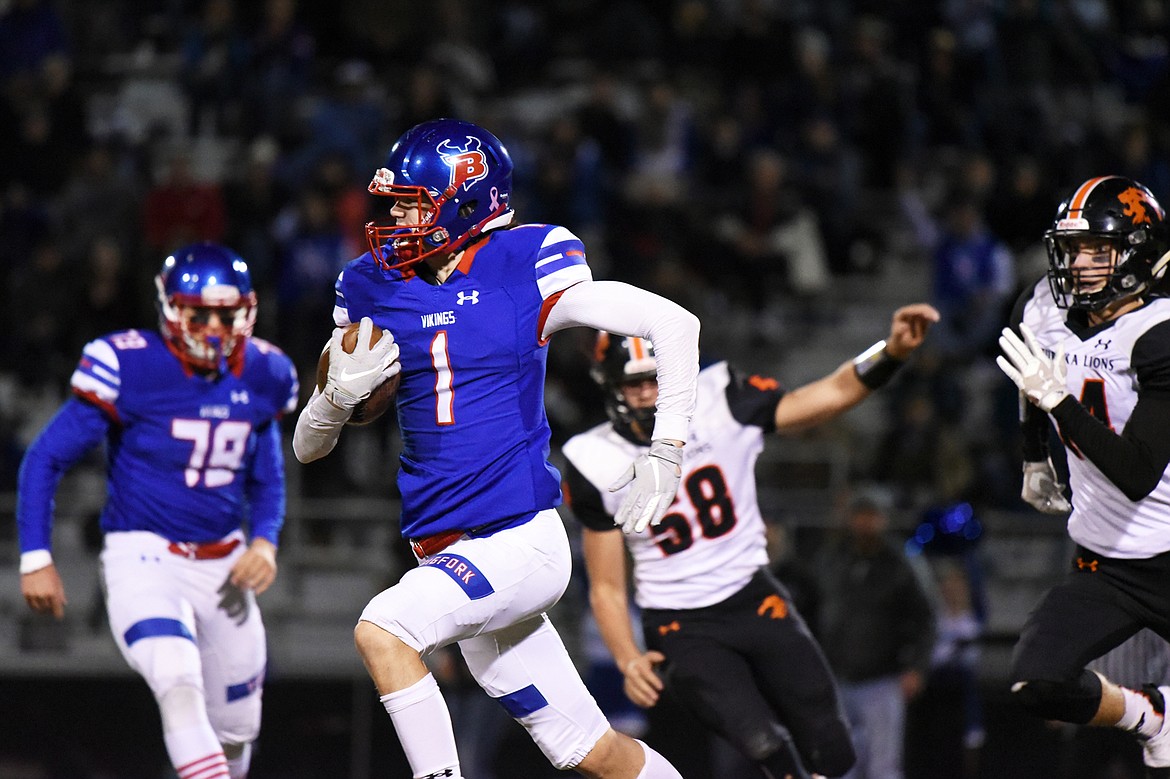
190, 423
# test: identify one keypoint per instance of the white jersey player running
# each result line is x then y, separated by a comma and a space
1095, 355
735, 650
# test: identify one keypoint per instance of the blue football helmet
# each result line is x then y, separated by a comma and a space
196, 284
458, 173
1116, 217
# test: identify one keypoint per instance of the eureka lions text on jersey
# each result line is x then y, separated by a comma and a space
471, 402
189, 458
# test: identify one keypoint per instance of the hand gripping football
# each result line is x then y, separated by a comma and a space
381, 398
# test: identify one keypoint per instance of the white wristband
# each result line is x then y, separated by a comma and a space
35, 560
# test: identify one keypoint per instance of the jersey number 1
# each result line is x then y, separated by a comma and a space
444, 395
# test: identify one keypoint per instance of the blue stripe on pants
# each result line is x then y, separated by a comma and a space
156, 626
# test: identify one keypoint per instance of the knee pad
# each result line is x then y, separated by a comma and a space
166, 663
182, 706
237, 722
1074, 701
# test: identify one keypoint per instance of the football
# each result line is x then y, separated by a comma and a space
383, 395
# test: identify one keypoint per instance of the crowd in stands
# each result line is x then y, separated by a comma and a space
740, 156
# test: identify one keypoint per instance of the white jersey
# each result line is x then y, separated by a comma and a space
712, 540
1102, 376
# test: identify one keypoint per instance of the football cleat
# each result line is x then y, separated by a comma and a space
1156, 748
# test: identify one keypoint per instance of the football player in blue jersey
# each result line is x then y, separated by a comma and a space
468, 300
190, 423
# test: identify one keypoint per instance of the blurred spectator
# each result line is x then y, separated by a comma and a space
972, 273
253, 198
664, 147
458, 55
215, 65
946, 95
877, 629
348, 192
32, 38
829, 172
1020, 210
878, 95
756, 51
771, 237
795, 571
101, 199
946, 721
924, 455
180, 210
347, 121
112, 295
40, 300
569, 183
280, 70
39, 153
1142, 158
426, 96
814, 87
602, 119
312, 253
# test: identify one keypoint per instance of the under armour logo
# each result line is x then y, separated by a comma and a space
473, 297
670, 627
239, 396
774, 606
1091, 565
1103, 343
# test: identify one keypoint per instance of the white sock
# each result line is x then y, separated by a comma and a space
657, 766
191, 743
238, 765
423, 724
1140, 715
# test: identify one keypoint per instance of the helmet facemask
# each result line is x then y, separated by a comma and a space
460, 177
399, 242
1128, 265
207, 307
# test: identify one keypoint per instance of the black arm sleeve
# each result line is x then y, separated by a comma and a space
585, 500
753, 399
1135, 460
1034, 427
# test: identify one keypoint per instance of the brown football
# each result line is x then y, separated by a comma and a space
383, 395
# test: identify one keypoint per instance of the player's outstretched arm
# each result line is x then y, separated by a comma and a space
605, 561
821, 400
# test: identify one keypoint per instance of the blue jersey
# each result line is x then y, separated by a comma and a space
189, 458
471, 401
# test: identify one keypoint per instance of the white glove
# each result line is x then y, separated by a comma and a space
353, 376
1043, 380
1041, 489
655, 478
